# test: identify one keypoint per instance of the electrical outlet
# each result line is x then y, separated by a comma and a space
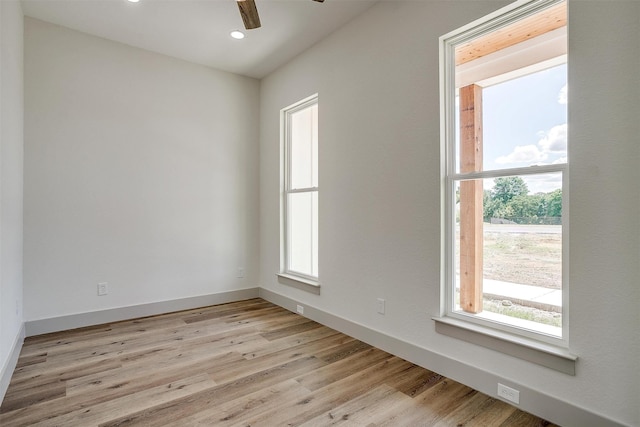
381, 303
103, 288
508, 393
300, 309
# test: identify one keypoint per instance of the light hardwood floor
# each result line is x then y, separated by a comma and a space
249, 363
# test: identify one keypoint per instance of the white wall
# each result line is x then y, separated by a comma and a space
377, 80
140, 171
11, 153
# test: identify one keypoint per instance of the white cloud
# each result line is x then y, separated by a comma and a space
563, 95
560, 160
552, 142
523, 154
555, 141
543, 183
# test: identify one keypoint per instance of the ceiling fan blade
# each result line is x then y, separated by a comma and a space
249, 14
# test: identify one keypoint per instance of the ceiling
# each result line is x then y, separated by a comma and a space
198, 30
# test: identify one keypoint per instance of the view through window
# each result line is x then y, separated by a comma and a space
506, 174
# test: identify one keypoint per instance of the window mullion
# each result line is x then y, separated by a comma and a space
497, 173
302, 190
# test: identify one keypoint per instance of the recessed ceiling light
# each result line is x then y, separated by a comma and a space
133, 1
238, 35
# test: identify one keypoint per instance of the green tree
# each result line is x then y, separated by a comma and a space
510, 199
554, 203
502, 210
526, 206
506, 188
492, 208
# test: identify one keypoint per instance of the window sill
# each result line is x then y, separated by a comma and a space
299, 282
553, 357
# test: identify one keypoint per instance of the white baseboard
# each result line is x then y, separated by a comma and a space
12, 361
532, 401
73, 321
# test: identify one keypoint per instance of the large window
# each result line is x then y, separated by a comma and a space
300, 195
505, 186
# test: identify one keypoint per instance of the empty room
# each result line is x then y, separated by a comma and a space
307, 212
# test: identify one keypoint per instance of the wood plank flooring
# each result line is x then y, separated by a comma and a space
249, 363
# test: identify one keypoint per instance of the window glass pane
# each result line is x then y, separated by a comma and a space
524, 121
520, 260
505, 112
304, 148
302, 232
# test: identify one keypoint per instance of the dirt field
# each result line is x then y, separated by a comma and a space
527, 258
525, 254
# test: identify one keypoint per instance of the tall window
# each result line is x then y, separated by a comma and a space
505, 188
300, 198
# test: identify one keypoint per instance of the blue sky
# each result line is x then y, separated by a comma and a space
525, 123
525, 120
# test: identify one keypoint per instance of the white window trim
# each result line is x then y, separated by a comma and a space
312, 286
287, 276
551, 351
